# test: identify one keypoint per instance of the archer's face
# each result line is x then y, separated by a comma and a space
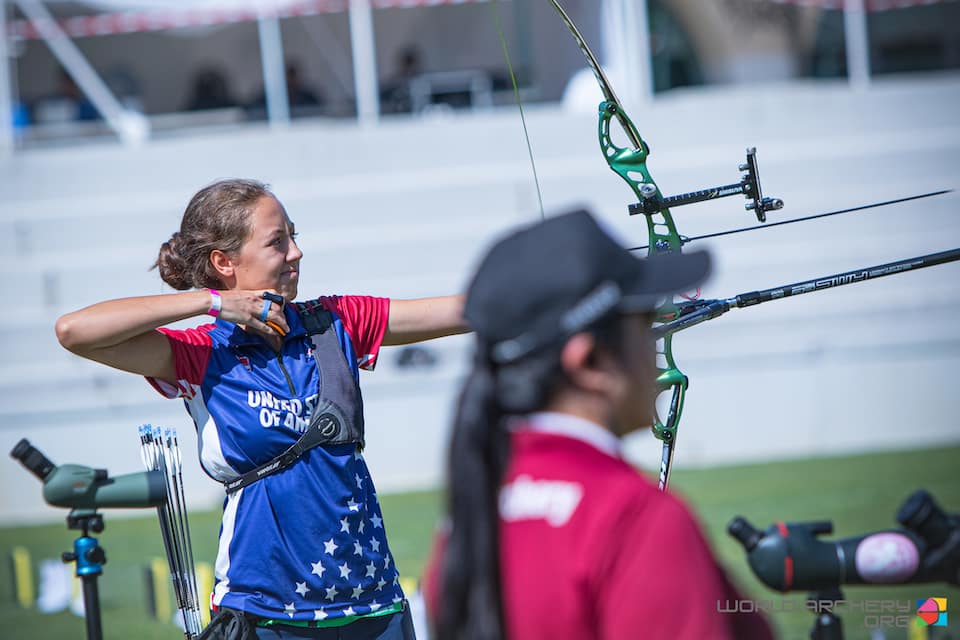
270, 257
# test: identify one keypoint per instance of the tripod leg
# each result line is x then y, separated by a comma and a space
89, 556
828, 625
91, 607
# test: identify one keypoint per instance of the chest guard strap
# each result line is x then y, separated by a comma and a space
338, 416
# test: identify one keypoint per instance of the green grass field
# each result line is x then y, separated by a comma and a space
859, 494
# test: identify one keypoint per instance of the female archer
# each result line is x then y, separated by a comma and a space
302, 545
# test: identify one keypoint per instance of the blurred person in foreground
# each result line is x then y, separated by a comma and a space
550, 532
303, 551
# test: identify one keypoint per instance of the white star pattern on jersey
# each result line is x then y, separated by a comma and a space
350, 561
357, 562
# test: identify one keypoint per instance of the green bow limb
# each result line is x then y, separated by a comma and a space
630, 163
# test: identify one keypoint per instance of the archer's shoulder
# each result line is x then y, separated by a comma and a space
199, 336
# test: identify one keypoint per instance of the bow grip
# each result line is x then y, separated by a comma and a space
675, 381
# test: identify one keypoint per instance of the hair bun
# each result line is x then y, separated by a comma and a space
171, 265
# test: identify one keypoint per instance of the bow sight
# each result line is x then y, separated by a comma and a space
749, 185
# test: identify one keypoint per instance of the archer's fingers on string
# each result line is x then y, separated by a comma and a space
269, 298
276, 327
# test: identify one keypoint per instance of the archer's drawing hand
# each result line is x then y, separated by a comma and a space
246, 308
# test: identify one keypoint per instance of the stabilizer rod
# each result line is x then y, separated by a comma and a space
698, 311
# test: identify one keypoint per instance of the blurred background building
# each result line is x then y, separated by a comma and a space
210, 61
389, 130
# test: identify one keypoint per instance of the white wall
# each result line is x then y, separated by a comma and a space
406, 208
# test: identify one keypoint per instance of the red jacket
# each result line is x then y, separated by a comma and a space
590, 549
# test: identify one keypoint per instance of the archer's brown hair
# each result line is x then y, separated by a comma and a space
217, 217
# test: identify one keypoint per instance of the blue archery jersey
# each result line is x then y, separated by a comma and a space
307, 543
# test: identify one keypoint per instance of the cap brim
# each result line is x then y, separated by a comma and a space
662, 276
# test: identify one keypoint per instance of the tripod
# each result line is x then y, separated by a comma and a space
828, 625
83, 490
90, 558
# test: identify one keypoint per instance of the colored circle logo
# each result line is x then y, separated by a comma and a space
932, 612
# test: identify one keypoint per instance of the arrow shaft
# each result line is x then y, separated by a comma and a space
848, 277
700, 311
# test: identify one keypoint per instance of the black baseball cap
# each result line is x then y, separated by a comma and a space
557, 277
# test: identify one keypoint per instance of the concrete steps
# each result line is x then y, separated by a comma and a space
406, 209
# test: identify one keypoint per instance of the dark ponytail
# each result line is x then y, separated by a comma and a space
471, 602
470, 598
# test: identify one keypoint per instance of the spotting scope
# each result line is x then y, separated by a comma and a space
789, 556
84, 488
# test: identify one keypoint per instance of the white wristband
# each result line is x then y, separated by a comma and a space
216, 303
